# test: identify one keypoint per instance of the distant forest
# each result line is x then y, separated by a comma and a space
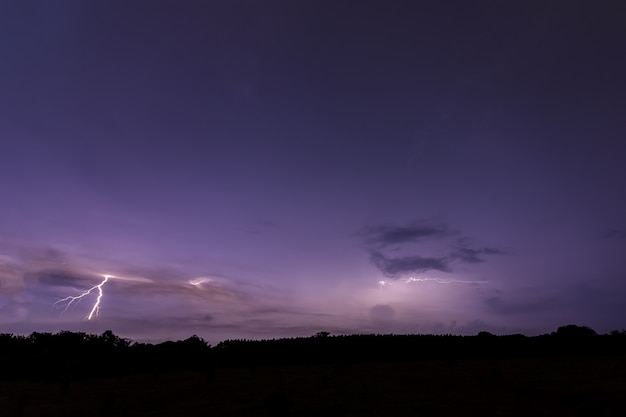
70, 355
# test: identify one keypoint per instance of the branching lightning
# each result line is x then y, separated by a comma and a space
95, 310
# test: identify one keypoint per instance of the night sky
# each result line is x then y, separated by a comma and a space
267, 168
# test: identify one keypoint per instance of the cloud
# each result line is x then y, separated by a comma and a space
70, 278
31, 284
475, 255
61, 278
379, 238
386, 235
395, 267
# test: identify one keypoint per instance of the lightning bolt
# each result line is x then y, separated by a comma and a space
442, 281
410, 280
95, 311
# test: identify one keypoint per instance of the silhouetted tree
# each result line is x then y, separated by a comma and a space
112, 341
573, 331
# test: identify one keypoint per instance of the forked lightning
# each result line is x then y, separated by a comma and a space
95, 310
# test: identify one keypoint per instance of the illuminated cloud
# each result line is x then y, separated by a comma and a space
53, 290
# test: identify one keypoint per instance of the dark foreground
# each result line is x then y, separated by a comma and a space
572, 372
574, 386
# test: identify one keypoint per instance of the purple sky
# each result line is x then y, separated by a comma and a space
266, 168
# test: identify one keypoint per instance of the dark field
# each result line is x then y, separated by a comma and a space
548, 386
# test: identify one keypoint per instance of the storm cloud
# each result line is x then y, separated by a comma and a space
387, 235
395, 267
472, 255
417, 239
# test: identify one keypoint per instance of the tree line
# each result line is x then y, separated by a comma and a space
70, 355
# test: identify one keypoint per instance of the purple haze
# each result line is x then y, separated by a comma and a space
278, 168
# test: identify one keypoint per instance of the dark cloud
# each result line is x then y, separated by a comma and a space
475, 255
394, 267
386, 235
60, 279
379, 238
